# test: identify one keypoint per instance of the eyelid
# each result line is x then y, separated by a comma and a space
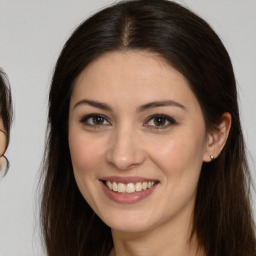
86, 117
171, 121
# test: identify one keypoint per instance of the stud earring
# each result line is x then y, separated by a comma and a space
212, 157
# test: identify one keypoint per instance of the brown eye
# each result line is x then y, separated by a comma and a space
95, 120
98, 120
159, 121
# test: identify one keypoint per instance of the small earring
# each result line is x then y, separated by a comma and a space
212, 157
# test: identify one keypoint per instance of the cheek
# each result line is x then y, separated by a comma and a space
179, 155
85, 152
180, 162
3, 142
85, 157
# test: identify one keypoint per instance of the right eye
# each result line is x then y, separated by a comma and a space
95, 120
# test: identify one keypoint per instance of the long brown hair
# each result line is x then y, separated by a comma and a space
6, 110
223, 220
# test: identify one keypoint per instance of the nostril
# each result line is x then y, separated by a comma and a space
125, 160
124, 150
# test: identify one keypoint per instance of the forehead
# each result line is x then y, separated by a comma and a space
138, 75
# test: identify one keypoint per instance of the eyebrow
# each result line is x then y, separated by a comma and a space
160, 104
93, 103
142, 108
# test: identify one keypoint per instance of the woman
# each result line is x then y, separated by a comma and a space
145, 150
5, 121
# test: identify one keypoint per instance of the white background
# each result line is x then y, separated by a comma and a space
32, 33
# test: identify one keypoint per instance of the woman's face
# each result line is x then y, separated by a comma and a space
3, 141
2, 137
137, 140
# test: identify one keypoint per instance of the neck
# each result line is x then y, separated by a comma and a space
169, 239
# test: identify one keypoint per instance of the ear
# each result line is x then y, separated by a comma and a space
217, 138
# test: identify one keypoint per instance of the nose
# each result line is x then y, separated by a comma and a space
125, 151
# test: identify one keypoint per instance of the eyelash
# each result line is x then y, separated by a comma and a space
85, 120
165, 118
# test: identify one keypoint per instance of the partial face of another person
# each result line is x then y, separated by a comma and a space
137, 139
3, 143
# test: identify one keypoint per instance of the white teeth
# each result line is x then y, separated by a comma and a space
150, 184
138, 186
109, 184
144, 185
130, 187
114, 187
120, 187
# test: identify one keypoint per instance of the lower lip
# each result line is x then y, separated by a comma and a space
123, 198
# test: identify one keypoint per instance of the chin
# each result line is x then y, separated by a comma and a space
129, 227
128, 222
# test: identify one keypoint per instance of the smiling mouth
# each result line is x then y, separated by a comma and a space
129, 188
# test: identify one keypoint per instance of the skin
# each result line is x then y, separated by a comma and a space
129, 142
2, 143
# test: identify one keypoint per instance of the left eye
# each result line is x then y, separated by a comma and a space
160, 121
95, 120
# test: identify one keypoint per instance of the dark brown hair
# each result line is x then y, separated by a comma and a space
222, 216
5, 105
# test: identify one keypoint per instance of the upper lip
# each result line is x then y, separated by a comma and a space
126, 180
